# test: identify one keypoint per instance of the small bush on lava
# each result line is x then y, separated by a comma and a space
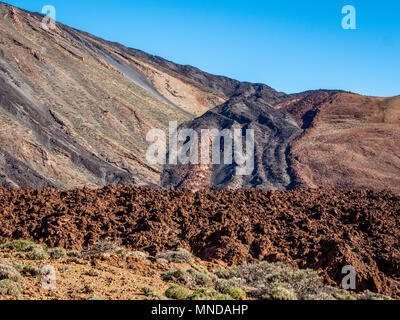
31, 271
368, 295
208, 294
260, 278
176, 292
36, 252
8, 271
236, 293
223, 273
179, 275
104, 245
280, 293
92, 273
57, 253
18, 245
222, 284
139, 255
201, 278
177, 256
10, 288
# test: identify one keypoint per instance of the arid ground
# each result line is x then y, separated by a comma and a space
323, 230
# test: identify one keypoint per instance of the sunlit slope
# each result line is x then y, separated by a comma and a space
68, 117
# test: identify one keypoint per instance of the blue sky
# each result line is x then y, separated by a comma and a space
290, 45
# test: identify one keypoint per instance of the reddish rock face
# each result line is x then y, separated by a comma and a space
319, 229
350, 141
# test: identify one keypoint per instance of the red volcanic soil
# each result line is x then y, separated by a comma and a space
319, 229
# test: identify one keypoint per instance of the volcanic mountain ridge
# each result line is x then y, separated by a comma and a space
75, 111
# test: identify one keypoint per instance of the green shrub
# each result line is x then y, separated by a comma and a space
202, 294
280, 293
8, 271
96, 299
202, 279
139, 255
57, 253
342, 294
222, 284
236, 293
36, 253
178, 275
199, 268
264, 276
176, 292
264, 273
31, 271
177, 256
92, 272
10, 288
223, 273
18, 245
208, 294
277, 281
368, 295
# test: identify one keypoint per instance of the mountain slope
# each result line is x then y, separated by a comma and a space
68, 117
334, 139
273, 130
350, 141
75, 109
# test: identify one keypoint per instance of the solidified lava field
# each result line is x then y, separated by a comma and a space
319, 229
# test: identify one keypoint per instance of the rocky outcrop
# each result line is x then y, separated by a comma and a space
249, 109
